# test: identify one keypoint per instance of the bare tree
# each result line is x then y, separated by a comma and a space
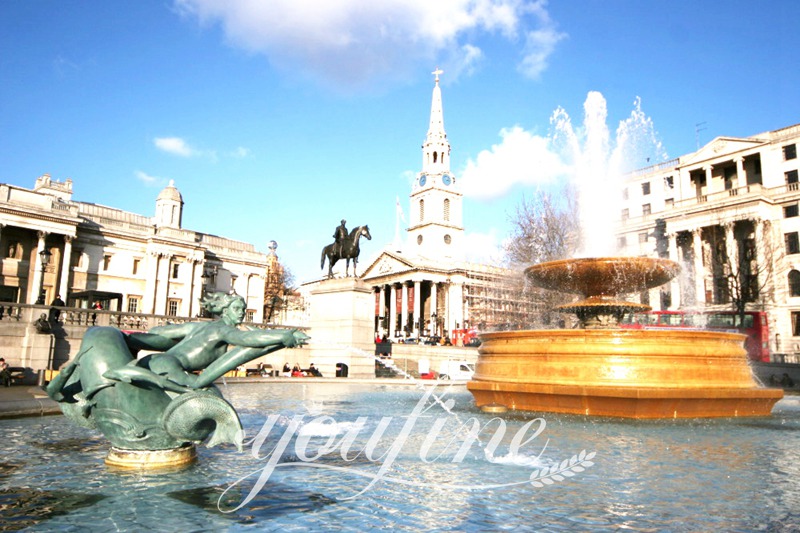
746, 274
545, 227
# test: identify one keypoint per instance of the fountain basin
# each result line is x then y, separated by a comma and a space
621, 373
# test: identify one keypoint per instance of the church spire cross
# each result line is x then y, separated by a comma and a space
436, 73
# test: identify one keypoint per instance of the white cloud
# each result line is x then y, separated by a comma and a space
240, 152
520, 158
174, 145
483, 248
352, 42
148, 179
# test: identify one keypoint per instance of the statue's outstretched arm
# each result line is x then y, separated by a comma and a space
286, 338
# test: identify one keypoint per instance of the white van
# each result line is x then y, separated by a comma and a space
460, 370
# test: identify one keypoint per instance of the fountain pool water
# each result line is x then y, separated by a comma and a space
722, 474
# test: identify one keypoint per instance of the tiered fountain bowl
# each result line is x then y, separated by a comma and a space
604, 370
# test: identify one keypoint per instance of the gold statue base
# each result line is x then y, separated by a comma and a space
151, 459
620, 373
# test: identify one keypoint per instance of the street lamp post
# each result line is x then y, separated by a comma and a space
44, 257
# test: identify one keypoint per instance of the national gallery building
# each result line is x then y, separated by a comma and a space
96, 255
729, 215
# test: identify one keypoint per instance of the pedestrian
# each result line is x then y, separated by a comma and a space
5, 373
55, 313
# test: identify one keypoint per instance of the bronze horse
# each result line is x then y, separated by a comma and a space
350, 250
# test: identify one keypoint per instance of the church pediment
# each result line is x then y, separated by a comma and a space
719, 147
385, 265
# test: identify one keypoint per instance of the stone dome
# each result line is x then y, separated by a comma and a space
170, 193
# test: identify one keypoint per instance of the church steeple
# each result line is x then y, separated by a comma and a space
436, 230
436, 148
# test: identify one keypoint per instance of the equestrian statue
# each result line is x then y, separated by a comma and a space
345, 246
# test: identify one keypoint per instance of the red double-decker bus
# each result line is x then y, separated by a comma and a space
754, 325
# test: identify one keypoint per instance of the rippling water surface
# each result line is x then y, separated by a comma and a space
577, 474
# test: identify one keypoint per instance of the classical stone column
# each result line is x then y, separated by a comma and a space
732, 249
674, 284
151, 283
381, 309
36, 282
434, 311
417, 309
708, 170
195, 288
392, 311
404, 308
763, 242
740, 176
63, 287
162, 289
699, 271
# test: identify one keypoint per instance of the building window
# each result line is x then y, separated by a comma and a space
622, 242
447, 239
106, 262
646, 209
669, 203
792, 243
421, 210
136, 263
172, 307
796, 323
419, 239
646, 188
447, 210
625, 215
625, 193
669, 182
642, 238
175, 270
789, 152
790, 211
133, 304
794, 283
249, 315
791, 177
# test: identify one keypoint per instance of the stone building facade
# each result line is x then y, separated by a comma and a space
728, 211
125, 261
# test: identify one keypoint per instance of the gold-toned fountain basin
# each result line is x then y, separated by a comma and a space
620, 372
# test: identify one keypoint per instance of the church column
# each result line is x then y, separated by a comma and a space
708, 169
381, 309
63, 287
417, 309
404, 309
699, 271
434, 312
674, 285
36, 281
740, 176
392, 311
162, 289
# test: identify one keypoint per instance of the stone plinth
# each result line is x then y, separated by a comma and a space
342, 318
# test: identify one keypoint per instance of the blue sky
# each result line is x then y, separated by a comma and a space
276, 119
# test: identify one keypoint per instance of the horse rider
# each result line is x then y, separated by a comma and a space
339, 235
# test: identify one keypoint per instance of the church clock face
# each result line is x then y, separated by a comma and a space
422, 180
446, 179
